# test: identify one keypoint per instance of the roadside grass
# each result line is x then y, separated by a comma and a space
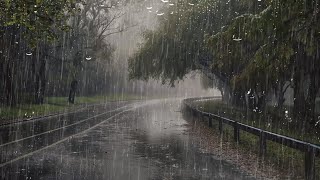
288, 160
27, 111
63, 101
56, 104
270, 121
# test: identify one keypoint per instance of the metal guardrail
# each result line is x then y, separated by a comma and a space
311, 150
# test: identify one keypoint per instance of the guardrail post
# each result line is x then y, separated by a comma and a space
236, 134
210, 121
262, 144
220, 127
310, 163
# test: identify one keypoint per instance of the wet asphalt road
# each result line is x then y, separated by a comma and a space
138, 140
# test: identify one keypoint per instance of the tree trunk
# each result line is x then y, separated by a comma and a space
280, 92
261, 104
299, 98
9, 86
40, 83
226, 94
73, 89
9, 58
311, 100
312, 91
238, 99
304, 103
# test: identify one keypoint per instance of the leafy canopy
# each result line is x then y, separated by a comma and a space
37, 19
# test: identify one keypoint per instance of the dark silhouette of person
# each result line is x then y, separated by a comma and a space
73, 89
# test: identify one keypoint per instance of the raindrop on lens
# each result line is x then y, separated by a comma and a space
237, 39
88, 58
29, 53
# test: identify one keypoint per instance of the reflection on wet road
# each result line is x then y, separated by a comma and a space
143, 142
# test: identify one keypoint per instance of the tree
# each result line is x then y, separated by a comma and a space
287, 47
84, 49
170, 52
23, 26
256, 48
52, 43
178, 45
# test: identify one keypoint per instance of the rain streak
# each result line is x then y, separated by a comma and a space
159, 89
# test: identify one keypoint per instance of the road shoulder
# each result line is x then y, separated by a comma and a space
210, 142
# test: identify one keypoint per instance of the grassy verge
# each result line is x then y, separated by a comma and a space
287, 160
271, 121
55, 104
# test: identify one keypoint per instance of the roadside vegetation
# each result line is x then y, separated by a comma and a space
270, 120
57, 104
287, 160
259, 54
253, 51
58, 48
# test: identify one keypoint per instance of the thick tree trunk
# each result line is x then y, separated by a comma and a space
305, 94
311, 100
312, 91
238, 98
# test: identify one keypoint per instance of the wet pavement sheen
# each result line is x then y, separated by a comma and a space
148, 142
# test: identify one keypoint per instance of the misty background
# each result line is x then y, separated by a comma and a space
139, 17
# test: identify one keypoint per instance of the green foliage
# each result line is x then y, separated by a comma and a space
37, 19
266, 43
170, 52
249, 45
176, 47
47, 44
